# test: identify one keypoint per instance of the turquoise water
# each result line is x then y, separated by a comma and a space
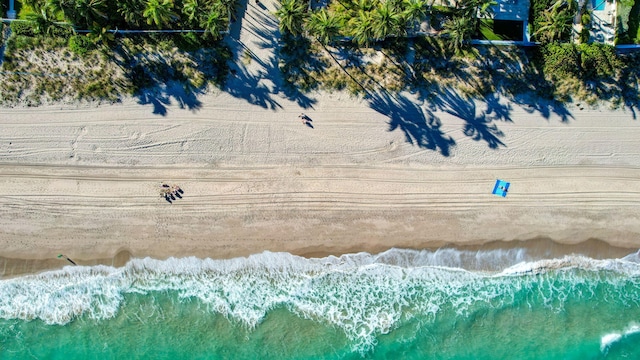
598, 4
401, 304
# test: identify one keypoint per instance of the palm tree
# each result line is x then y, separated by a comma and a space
362, 28
101, 34
216, 22
42, 22
324, 26
190, 8
159, 12
131, 11
56, 6
475, 9
386, 21
366, 5
557, 21
230, 6
554, 26
415, 11
81, 13
291, 14
459, 30
87, 12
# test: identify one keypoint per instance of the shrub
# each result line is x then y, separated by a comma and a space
24, 28
80, 45
20, 42
585, 35
61, 31
561, 60
598, 60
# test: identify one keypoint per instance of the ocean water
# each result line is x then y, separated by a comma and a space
400, 304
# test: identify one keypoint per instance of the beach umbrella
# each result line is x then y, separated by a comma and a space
501, 188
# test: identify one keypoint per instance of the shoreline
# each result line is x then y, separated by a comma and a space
85, 182
538, 249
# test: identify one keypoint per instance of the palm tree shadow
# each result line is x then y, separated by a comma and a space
259, 85
159, 82
276, 41
158, 101
545, 107
420, 126
161, 95
479, 127
242, 84
497, 110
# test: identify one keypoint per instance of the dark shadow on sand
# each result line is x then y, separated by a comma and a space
158, 81
163, 95
479, 125
420, 126
255, 79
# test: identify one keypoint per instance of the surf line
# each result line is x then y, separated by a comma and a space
69, 260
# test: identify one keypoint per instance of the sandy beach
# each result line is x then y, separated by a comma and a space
361, 175
85, 181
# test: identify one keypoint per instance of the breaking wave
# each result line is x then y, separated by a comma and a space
365, 295
610, 339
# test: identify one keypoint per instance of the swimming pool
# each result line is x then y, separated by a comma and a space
598, 5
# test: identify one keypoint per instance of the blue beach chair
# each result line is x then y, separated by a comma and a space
501, 188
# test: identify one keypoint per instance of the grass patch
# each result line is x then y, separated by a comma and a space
52, 69
486, 32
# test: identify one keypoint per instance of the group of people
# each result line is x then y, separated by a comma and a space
171, 192
305, 119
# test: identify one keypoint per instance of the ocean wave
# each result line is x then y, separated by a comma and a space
365, 295
610, 339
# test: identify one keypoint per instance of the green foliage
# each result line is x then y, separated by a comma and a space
215, 22
387, 20
324, 25
585, 35
21, 42
160, 12
101, 35
24, 28
131, 11
192, 41
362, 28
598, 60
555, 23
536, 10
80, 44
561, 60
61, 31
459, 31
292, 14
415, 10
633, 23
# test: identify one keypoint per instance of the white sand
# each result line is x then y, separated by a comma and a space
84, 181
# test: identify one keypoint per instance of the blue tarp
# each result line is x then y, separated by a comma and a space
501, 188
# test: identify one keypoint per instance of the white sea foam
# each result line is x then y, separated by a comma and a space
365, 295
622, 266
610, 339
